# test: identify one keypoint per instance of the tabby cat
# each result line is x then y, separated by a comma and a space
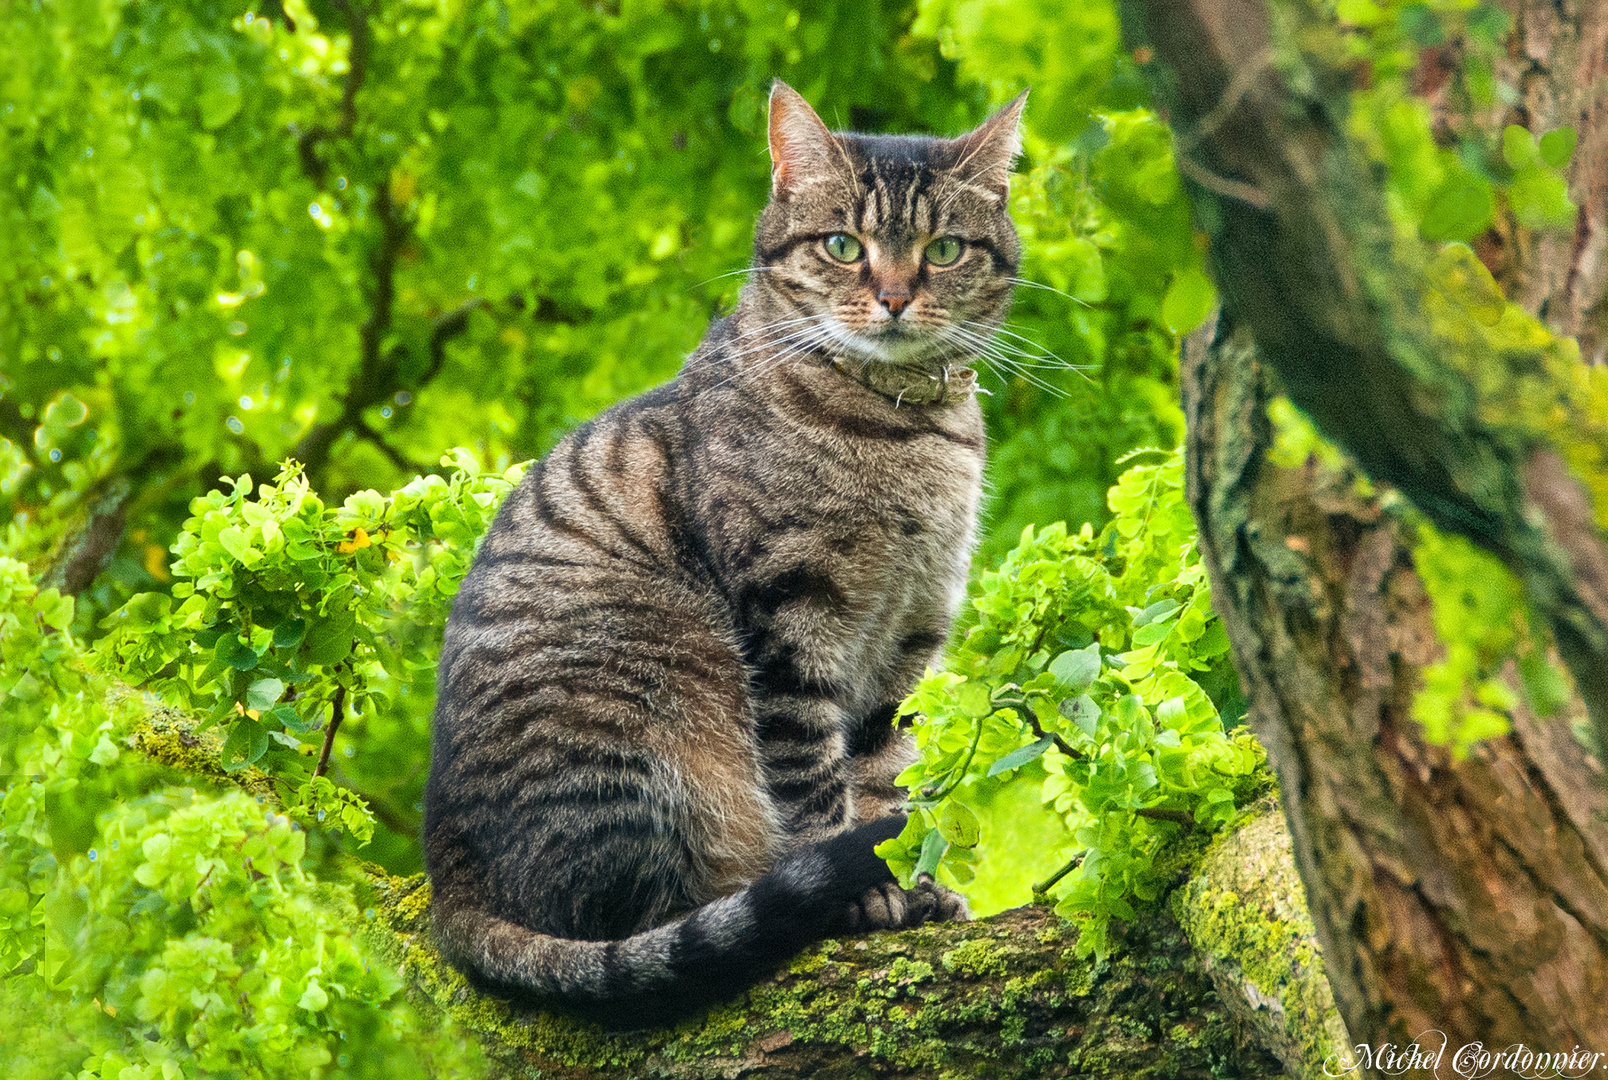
666, 737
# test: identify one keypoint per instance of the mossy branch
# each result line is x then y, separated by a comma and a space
1005, 997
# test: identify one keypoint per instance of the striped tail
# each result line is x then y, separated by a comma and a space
667, 973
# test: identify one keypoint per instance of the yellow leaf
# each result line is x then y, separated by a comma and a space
156, 562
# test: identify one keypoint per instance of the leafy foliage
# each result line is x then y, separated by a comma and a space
1094, 681
354, 235
293, 616
167, 929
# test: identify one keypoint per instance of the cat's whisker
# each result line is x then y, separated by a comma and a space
1047, 288
734, 273
776, 324
1039, 359
994, 353
796, 343
1022, 344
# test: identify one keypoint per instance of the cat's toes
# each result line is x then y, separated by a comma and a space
881, 907
948, 905
888, 907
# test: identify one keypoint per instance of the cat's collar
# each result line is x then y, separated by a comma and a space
911, 386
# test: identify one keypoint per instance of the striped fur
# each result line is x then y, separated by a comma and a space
665, 741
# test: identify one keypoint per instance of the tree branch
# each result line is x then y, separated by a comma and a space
337, 713
15, 426
89, 543
1338, 307
357, 60
379, 374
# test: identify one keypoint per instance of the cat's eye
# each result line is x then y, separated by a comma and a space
843, 247
943, 251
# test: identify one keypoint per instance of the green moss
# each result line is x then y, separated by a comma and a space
980, 958
170, 737
876, 1007
1245, 911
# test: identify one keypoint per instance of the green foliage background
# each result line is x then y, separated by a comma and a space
360, 236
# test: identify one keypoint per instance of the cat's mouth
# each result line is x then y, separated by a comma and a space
896, 342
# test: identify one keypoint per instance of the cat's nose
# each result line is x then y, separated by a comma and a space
894, 297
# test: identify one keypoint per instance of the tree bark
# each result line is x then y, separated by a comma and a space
1223, 979
1468, 898
1388, 362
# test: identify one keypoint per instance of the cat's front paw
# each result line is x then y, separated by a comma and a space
888, 907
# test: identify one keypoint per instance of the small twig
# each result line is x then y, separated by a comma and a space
1178, 817
1240, 85
1060, 744
1222, 185
337, 713
1043, 888
362, 427
960, 773
447, 325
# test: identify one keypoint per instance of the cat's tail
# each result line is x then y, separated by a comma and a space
668, 972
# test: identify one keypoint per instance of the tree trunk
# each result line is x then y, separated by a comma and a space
1468, 899
1465, 897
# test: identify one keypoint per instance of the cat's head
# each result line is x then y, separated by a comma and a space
886, 248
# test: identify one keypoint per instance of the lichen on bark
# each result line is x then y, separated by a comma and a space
1001, 997
1244, 909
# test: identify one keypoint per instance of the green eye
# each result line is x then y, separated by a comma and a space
843, 247
943, 251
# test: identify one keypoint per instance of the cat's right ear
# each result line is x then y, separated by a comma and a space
802, 150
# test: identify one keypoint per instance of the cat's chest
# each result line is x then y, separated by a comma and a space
880, 502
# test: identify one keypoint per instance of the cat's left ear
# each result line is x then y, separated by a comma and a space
984, 156
801, 148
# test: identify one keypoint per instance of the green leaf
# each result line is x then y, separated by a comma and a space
1558, 146
329, 640
313, 998
973, 699
247, 742
234, 541
1460, 209
1077, 668
1518, 147
262, 694
1155, 611
933, 846
235, 653
292, 720
1540, 199
1083, 712
220, 97
1151, 634
958, 824
289, 634
1017, 758
1188, 301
